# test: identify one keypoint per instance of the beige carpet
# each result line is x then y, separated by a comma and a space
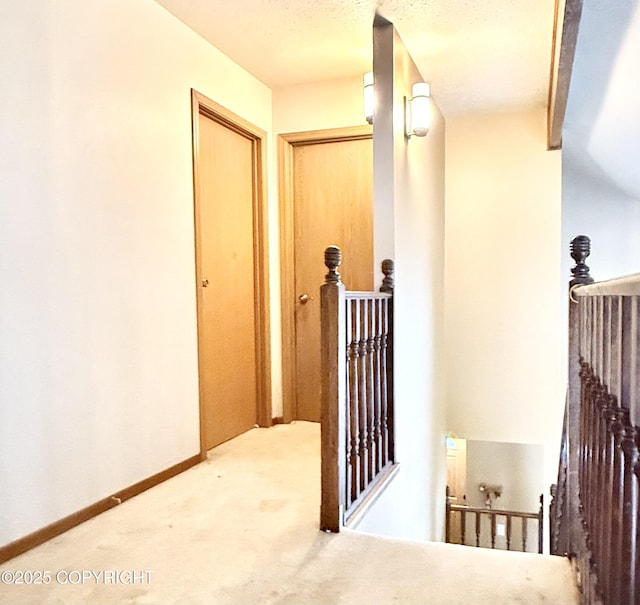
241, 528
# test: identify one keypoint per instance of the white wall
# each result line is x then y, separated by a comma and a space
413, 505
318, 105
98, 377
504, 302
515, 466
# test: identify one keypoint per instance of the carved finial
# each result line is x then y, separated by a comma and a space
387, 282
332, 259
580, 249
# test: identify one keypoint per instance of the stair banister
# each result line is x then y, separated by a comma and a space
357, 437
596, 505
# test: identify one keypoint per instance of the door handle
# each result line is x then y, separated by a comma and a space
304, 299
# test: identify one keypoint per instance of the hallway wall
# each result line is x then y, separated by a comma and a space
98, 379
506, 343
409, 205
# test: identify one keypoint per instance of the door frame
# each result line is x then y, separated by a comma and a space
200, 104
286, 147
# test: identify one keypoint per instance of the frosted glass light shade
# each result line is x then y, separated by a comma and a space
369, 97
420, 109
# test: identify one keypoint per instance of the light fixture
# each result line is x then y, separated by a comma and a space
369, 97
418, 110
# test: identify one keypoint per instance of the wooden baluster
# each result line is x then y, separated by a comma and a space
607, 489
463, 526
555, 510
362, 400
540, 523
636, 470
585, 408
608, 334
350, 469
379, 385
524, 534
613, 587
388, 269
493, 530
582, 436
598, 476
590, 491
593, 424
608, 404
599, 468
629, 516
508, 532
384, 376
447, 518
634, 368
624, 488
616, 389
333, 394
371, 429
478, 522
354, 385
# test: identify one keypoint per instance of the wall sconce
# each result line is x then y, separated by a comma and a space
490, 492
369, 97
418, 110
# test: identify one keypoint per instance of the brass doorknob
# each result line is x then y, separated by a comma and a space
304, 298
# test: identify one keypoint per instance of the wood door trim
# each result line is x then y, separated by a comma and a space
286, 144
202, 105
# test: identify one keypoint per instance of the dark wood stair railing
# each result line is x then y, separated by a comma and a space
357, 437
595, 509
492, 514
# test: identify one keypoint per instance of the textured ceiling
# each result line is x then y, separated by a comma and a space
478, 55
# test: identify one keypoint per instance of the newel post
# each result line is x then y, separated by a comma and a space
333, 383
580, 249
388, 270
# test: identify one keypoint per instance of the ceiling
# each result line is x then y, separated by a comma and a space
478, 55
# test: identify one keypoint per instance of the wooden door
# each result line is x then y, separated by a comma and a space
457, 484
332, 203
457, 471
227, 279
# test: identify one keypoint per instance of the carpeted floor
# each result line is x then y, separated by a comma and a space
242, 528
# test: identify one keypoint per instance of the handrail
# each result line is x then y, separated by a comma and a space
357, 419
628, 285
494, 511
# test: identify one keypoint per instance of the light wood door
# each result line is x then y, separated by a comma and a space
457, 483
226, 282
333, 204
457, 471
